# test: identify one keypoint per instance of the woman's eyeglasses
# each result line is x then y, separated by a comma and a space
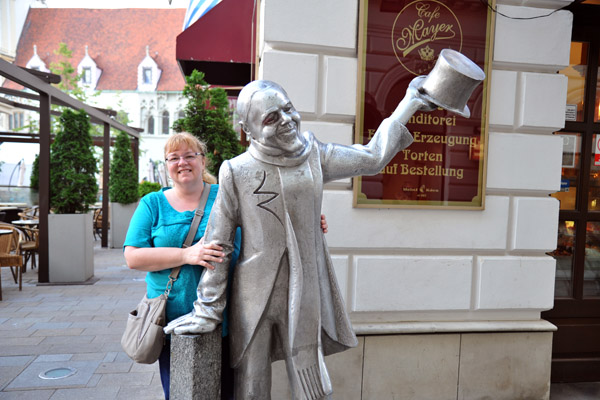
187, 158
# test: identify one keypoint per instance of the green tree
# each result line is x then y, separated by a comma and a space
207, 116
73, 186
123, 185
69, 79
34, 180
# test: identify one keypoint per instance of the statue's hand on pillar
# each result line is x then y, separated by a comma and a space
190, 324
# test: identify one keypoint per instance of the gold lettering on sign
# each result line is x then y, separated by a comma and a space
421, 30
424, 30
390, 170
436, 170
450, 140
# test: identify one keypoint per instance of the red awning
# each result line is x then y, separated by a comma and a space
220, 44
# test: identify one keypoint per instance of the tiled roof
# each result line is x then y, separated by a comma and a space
116, 40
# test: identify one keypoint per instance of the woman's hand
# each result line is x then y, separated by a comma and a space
324, 223
203, 254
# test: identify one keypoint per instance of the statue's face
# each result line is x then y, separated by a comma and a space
274, 122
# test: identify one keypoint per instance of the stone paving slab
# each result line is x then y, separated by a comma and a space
79, 326
27, 395
30, 377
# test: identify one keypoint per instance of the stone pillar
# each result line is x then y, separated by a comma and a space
196, 366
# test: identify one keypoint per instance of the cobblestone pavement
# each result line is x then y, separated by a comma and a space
73, 326
44, 328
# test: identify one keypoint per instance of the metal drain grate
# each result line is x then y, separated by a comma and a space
58, 373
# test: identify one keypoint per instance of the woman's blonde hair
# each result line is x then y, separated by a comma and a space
185, 139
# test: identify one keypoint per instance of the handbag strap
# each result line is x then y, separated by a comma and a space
198, 214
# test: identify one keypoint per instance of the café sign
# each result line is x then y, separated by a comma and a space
398, 41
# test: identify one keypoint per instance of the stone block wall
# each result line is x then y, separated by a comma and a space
465, 366
400, 266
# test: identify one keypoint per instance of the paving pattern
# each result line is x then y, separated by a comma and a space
43, 328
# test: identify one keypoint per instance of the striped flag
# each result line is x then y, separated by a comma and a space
196, 10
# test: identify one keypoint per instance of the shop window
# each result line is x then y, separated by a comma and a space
165, 122
564, 255
571, 164
576, 73
591, 269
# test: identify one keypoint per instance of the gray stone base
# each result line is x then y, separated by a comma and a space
196, 366
465, 366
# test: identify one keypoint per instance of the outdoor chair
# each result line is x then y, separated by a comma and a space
29, 246
10, 255
30, 213
98, 223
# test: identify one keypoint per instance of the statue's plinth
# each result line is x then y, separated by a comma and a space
196, 366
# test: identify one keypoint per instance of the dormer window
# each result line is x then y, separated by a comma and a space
148, 73
147, 76
36, 62
86, 77
89, 71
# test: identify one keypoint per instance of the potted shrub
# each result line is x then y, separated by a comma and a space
148, 187
122, 190
73, 189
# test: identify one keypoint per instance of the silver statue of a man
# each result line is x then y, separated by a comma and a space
284, 302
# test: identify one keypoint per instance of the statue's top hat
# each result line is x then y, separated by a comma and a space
451, 82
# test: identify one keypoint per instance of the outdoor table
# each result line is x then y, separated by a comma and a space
13, 205
27, 222
5, 231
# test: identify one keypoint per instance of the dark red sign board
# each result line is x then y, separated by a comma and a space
445, 165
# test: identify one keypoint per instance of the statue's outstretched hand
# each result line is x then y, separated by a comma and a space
412, 102
414, 91
190, 324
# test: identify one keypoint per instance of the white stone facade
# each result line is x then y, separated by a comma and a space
423, 271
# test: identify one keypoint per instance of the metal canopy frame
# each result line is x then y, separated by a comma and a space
39, 82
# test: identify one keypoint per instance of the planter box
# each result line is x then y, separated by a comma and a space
70, 247
120, 215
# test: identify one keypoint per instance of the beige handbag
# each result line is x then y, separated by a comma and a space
144, 337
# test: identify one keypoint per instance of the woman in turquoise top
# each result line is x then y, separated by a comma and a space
158, 229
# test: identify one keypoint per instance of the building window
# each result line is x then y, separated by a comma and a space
147, 75
151, 125
165, 122
86, 76
16, 121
